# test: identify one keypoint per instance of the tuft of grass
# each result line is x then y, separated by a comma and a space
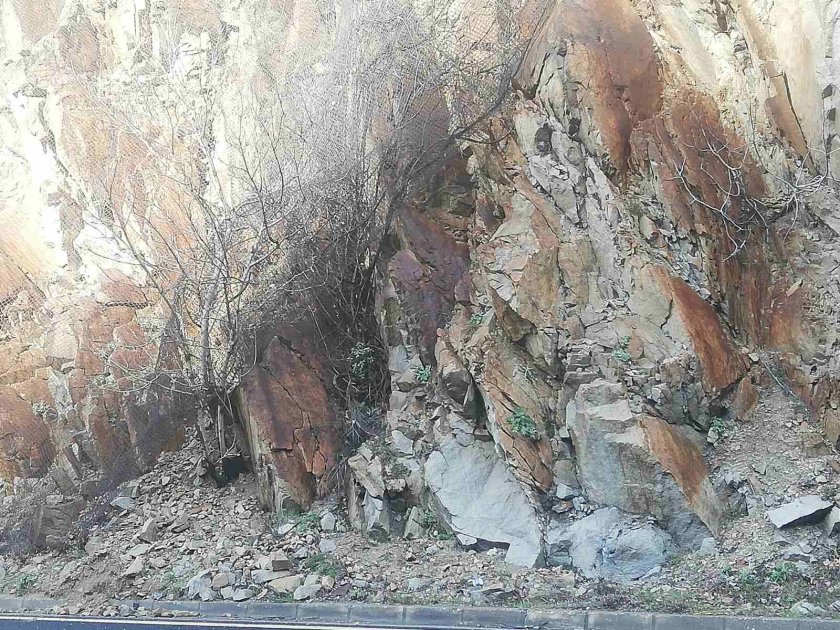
523, 424
25, 583
307, 522
322, 564
476, 319
782, 573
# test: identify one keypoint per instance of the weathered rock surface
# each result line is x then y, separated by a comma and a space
290, 421
639, 463
609, 545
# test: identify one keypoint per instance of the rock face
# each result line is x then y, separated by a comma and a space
577, 298
613, 276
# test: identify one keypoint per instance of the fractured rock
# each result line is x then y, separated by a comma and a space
480, 497
801, 511
641, 464
606, 544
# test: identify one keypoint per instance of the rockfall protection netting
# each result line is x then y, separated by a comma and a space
228, 168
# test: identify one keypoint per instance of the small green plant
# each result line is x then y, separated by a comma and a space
621, 355
476, 319
26, 582
747, 579
442, 534
528, 372
423, 373
399, 470
307, 522
719, 429
624, 342
428, 520
782, 573
322, 564
523, 424
361, 359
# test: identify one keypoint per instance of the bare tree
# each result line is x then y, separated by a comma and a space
276, 206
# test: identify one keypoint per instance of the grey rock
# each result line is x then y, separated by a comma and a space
261, 576
306, 592
402, 443
481, 498
416, 584
639, 463
197, 583
328, 522
635, 552
135, 568
148, 533
413, 527
326, 545
279, 561
831, 523
607, 544
180, 524
564, 492
708, 547
468, 542
242, 594
284, 529
221, 580
139, 550
123, 503
800, 511
806, 609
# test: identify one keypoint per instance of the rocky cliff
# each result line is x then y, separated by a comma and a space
644, 239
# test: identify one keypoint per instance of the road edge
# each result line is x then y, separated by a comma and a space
396, 616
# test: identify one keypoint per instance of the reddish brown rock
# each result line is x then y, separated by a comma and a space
610, 54
290, 421
722, 365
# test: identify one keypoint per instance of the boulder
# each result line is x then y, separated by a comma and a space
290, 420
608, 544
641, 464
801, 511
479, 496
286, 584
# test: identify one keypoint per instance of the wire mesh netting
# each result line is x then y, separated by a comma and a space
204, 169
